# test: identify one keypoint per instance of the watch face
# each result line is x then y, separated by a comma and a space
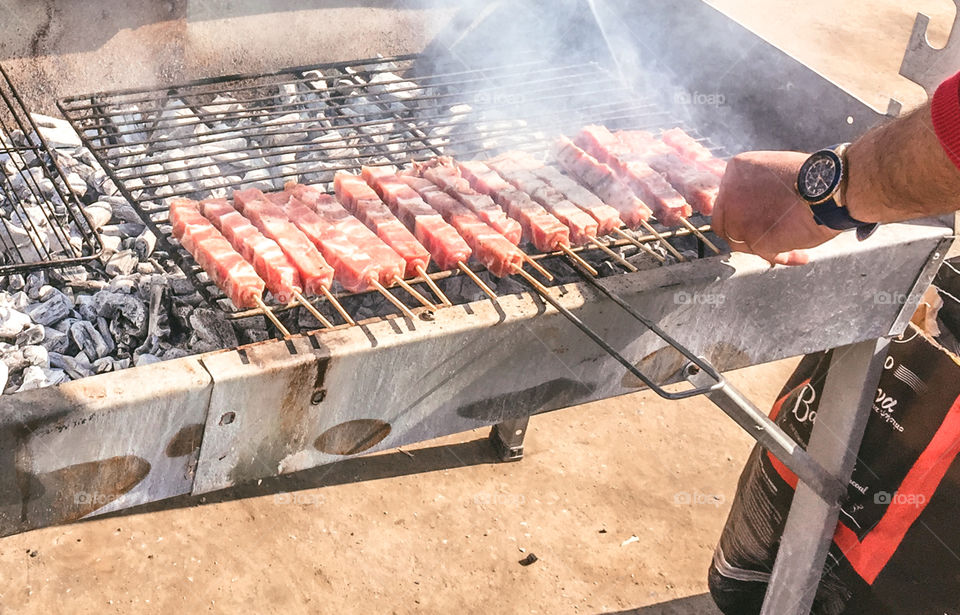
818, 176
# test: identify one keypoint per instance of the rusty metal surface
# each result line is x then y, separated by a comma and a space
278, 408
100, 444
202, 423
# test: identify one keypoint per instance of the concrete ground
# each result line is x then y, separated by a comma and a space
621, 501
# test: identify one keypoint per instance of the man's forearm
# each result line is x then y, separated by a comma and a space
900, 171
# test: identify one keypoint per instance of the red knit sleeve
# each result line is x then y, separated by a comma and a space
945, 110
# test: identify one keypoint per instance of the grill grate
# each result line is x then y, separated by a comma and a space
205, 138
41, 221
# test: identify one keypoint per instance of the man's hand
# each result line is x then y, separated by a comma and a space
759, 211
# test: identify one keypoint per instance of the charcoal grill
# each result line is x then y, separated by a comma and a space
211, 421
205, 138
41, 222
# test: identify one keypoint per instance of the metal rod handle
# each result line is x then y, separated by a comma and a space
769, 435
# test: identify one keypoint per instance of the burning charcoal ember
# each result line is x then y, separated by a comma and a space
150, 346
36, 355
146, 359
122, 263
123, 230
16, 281
89, 340
116, 306
77, 185
75, 367
211, 331
259, 179
55, 340
103, 327
12, 358
18, 301
34, 282
56, 132
70, 275
111, 245
98, 215
12, 323
51, 311
144, 244
173, 353
121, 209
35, 377
180, 285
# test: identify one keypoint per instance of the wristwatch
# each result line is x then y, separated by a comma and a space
820, 183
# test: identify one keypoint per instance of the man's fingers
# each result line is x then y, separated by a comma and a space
792, 258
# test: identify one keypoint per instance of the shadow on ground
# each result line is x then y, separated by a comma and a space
358, 469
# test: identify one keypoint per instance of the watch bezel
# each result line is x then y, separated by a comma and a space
835, 184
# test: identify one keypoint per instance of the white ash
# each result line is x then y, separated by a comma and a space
131, 306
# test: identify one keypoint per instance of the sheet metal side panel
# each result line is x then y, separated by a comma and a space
100, 444
359, 390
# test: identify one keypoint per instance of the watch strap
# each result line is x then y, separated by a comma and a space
833, 215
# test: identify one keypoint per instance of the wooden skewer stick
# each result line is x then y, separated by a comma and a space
433, 286
702, 237
415, 293
663, 240
538, 267
396, 302
576, 258
336, 305
476, 280
273, 317
533, 281
314, 311
629, 266
640, 244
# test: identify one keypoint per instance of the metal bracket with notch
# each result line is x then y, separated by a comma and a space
926, 65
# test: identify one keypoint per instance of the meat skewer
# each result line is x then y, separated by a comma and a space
583, 228
316, 273
490, 248
448, 248
540, 227
691, 149
364, 203
442, 172
698, 186
226, 267
605, 182
668, 204
280, 275
584, 199
361, 260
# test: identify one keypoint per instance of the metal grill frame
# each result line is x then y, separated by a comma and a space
14, 116
95, 117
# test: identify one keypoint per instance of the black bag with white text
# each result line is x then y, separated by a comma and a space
896, 548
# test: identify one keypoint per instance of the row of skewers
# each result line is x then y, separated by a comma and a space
384, 227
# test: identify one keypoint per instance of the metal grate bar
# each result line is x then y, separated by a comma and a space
252, 111
203, 139
38, 208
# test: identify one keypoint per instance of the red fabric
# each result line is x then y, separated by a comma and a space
870, 555
945, 112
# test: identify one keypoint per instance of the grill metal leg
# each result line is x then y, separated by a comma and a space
507, 438
846, 404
